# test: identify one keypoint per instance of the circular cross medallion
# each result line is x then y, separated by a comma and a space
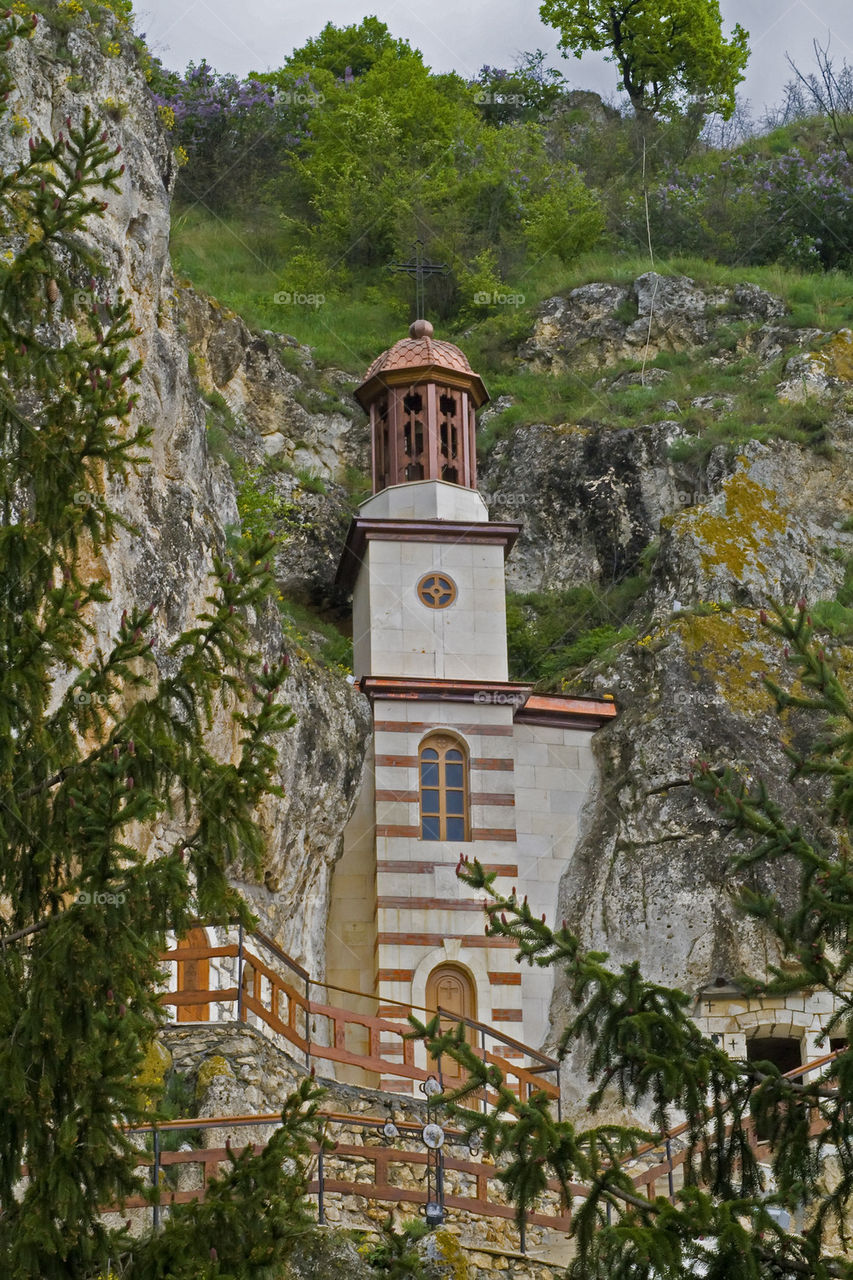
436, 590
433, 1136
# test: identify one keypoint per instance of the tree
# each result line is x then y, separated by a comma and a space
97, 744
645, 1051
348, 51
249, 1219
667, 51
827, 92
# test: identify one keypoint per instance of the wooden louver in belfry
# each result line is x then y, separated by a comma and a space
422, 395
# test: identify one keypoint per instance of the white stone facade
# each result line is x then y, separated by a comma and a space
733, 1020
399, 913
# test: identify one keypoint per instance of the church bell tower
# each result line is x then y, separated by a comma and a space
463, 760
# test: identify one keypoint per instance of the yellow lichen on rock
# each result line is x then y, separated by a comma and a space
734, 536
215, 1065
452, 1254
836, 358
725, 647
152, 1075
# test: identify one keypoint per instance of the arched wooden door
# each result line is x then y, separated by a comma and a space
193, 975
451, 988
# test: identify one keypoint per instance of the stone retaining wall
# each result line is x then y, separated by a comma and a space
238, 1071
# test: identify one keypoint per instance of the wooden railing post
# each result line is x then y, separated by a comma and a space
240, 974
308, 1023
321, 1209
155, 1178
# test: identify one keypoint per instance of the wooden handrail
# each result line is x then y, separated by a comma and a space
793, 1074
376, 1060
550, 1063
282, 955
379, 1157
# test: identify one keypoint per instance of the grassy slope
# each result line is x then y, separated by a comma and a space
242, 260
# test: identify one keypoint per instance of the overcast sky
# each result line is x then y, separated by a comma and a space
256, 35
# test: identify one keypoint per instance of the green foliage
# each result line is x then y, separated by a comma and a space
566, 220
320, 639
836, 616
524, 93
396, 1254
263, 512
667, 51
250, 1217
551, 632
98, 741
177, 1103
346, 51
380, 156
741, 207
643, 1049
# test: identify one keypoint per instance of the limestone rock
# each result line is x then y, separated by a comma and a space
762, 532
591, 499
819, 373
182, 500
650, 879
249, 372
267, 418
597, 325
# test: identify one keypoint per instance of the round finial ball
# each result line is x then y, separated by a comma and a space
420, 329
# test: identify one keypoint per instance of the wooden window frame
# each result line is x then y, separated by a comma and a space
442, 743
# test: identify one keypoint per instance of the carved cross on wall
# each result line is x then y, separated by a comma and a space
419, 267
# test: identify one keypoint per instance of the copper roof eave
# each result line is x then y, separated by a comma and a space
566, 712
558, 711
414, 688
384, 379
363, 530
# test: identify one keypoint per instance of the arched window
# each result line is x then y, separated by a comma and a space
444, 788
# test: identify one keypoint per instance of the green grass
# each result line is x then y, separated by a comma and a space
242, 262
242, 259
552, 634
834, 617
320, 639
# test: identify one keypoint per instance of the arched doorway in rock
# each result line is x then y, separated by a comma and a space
451, 989
193, 975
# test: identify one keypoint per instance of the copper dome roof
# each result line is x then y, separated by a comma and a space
423, 354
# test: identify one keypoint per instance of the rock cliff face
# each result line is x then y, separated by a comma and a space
758, 522
183, 499
648, 880
309, 425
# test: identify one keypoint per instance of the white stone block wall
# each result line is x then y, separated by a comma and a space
735, 1019
394, 633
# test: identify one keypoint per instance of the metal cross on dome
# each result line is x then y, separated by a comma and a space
419, 267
